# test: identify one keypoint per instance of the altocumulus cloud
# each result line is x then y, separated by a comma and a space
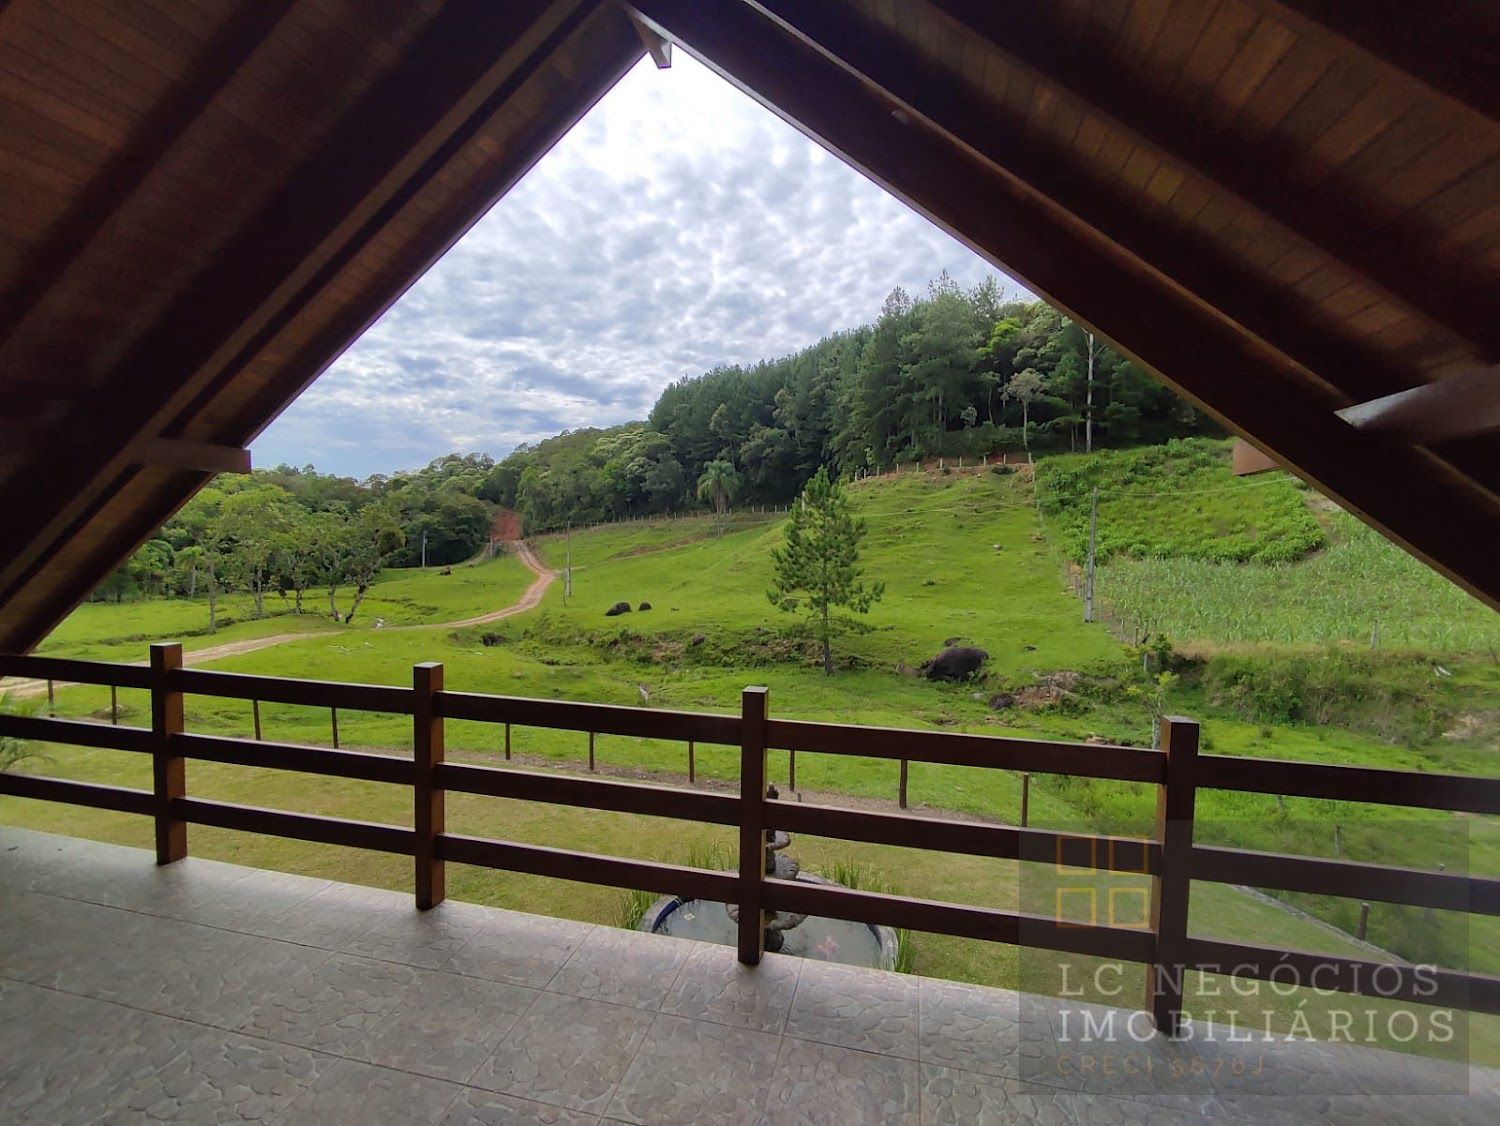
680, 226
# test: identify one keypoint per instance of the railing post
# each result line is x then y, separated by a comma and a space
428, 814
1175, 799
168, 775
752, 824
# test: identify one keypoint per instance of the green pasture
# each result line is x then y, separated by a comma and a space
963, 556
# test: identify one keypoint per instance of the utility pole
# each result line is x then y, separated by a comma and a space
424, 551
1088, 578
1088, 417
568, 570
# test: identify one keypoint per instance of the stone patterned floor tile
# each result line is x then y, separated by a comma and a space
952, 1097
866, 1010
446, 1025
823, 1085
623, 967
28, 857
521, 949
85, 1056
713, 985
567, 1051
419, 938
691, 1071
1115, 1052
362, 1095
991, 1031
490, 1108
221, 1077
335, 1009
332, 917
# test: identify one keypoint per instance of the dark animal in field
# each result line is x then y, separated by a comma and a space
698, 639
617, 609
1001, 700
959, 663
644, 606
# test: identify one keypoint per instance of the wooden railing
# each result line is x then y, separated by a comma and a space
1169, 856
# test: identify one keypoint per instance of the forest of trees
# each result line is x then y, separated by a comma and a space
954, 373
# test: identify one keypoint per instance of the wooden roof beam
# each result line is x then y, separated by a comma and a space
1435, 42
1256, 172
323, 213
1455, 525
95, 209
658, 48
926, 93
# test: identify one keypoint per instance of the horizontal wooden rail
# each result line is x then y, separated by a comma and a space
91, 794
1125, 764
972, 838
77, 733
1347, 879
298, 826
589, 868
75, 672
606, 719
1409, 788
1016, 928
284, 690
590, 793
293, 756
1399, 981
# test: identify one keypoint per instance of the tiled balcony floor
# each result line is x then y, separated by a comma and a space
204, 992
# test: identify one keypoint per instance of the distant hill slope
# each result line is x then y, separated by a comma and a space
1189, 551
961, 555
1179, 500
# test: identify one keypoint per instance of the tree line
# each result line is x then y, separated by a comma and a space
954, 373
290, 534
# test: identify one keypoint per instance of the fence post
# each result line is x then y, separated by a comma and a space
114, 704
51, 698
168, 776
901, 789
692, 764
1364, 921
1175, 797
1025, 798
507, 742
752, 923
591, 752
333, 716
428, 812
791, 770
255, 714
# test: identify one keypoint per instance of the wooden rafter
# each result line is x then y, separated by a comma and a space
379, 151
1201, 271
91, 216
1255, 172
1427, 42
1249, 387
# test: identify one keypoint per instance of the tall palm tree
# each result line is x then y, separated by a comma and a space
719, 483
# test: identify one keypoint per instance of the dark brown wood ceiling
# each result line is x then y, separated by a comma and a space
1284, 207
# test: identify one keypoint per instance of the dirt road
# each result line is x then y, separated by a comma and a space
529, 600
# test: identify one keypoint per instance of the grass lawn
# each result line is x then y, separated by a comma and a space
107, 631
962, 556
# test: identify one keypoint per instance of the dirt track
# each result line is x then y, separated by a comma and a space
529, 600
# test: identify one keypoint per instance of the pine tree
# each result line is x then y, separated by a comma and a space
818, 570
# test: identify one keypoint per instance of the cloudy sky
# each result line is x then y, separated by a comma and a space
678, 227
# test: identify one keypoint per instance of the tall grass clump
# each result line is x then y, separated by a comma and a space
861, 877
1180, 500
